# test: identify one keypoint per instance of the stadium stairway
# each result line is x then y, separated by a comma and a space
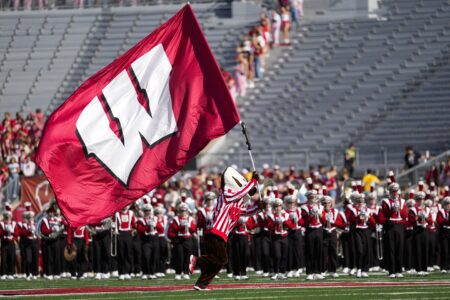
349, 81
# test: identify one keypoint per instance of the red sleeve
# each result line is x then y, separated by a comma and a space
430, 220
1, 231
16, 232
141, 227
301, 222
159, 227
201, 223
45, 229
305, 218
193, 227
289, 223
270, 224
440, 219
69, 236
173, 230
340, 223
385, 211
86, 236
323, 217
411, 219
404, 213
381, 218
232, 197
251, 224
133, 222
371, 221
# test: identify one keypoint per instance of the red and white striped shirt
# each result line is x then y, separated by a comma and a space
229, 208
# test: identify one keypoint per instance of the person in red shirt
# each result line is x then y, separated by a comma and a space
311, 213
361, 218
263, 238
420, 218
229, 207
239, 248
30, 243
79, 237
443, 223
295, 237
394, 213
162, 242
51, 228
101, 242
148, 227
9, 233
279, 223
124, 222
181, 231
331, 219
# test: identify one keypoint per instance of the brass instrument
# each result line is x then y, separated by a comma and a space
114, 231
379, 241
329, 218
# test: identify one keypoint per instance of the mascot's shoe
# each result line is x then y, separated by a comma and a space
192, 261
200, 288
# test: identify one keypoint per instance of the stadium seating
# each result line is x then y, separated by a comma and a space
46, 55
377, 83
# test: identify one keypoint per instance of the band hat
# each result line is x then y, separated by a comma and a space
326, 199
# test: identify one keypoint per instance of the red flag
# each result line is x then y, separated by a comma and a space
136, 122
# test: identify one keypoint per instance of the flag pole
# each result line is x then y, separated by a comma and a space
249, 148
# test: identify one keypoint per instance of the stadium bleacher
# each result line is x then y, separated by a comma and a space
48, 54
354, 81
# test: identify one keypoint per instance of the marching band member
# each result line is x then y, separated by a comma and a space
51, 229
265, 237
64, 267
311, 213
295, 237
205, 216
361, 220
101, 243
148, 229
162, 241
434, 251
443, 222
136, 259
30, 244
347, 237
420, 217
125, 222
181, 231
410, 224
239, 249
279, 223
394, 212
375, 212
330, 218
9, 233
79, 237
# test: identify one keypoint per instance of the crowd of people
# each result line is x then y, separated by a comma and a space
19, 138
299, 229
251, 54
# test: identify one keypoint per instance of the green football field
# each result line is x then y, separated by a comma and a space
435, 286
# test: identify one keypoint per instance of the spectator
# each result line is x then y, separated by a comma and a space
432, 175
285, 24
331, 182
13, 180
411, 157
369, 179
349, 159
28, 167
276, 27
